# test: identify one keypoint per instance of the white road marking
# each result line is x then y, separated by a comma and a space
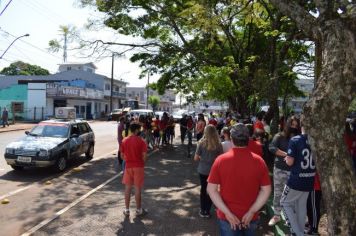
12, 193
60, 212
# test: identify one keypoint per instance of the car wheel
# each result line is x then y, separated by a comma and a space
61, 164
17, 167
90, 152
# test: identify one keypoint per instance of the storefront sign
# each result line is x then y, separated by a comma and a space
55, 90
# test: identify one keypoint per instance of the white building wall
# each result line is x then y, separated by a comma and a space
50, 107
36, 101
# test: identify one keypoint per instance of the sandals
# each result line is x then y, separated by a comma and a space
274, 220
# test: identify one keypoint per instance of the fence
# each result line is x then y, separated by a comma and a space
26, 114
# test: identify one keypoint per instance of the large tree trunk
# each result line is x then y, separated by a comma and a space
325, 116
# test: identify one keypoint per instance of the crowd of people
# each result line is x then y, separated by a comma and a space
232, 156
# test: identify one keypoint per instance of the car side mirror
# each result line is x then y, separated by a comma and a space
74, 136
27, 132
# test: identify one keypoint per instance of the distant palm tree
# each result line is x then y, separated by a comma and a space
69, 33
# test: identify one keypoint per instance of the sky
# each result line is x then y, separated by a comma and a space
42, 19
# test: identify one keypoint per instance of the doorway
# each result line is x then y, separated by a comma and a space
88, 111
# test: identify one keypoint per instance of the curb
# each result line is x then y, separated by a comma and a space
10, 130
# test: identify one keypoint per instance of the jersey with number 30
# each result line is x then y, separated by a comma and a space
303, 170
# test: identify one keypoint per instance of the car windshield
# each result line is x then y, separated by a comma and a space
59, 131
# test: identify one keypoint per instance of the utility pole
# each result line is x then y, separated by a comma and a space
147, 88
112, 80
65, 48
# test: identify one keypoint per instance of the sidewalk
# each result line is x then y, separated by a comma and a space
171, 195
27, 126
16, 126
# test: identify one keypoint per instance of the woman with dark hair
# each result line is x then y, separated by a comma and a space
281, 170
170, 130
200, 126
209, 147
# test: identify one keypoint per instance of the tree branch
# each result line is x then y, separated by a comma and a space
300, 16
151, 44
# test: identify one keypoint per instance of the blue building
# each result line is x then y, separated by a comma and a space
75, 85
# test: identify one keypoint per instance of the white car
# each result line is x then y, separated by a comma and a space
177, 115
139, 112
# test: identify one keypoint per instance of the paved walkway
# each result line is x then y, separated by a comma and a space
16, 126
171, 196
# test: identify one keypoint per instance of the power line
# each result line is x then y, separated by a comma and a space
28, 3
23, 54
48, 10
44, 51
5, 7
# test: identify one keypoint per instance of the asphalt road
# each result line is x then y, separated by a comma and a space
32, 198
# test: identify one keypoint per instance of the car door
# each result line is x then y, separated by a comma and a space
75, 141
84, 135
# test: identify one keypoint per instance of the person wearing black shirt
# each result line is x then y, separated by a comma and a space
183, 127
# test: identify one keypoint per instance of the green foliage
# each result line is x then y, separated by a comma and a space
68, 32
22, 68
208, 49
54, 45
352, 106
154, 101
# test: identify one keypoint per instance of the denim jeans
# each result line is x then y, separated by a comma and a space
225, 229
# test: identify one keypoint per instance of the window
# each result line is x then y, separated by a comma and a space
69, 68
76, 109
107, 86
74, 130
17, 106
83, 128
82, 109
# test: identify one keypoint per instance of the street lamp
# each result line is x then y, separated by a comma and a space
25, 35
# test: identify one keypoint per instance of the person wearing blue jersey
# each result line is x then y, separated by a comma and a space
300, 182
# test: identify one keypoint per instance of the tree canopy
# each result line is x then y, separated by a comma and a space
22, 68
218, 50
247, 51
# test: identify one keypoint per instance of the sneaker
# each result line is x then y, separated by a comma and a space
141, 212
274, 220
204, 214
311, 232
126, 212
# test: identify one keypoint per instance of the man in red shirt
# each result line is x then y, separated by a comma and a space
244, 185
134, 152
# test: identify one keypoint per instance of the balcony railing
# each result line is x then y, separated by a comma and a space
115, 94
